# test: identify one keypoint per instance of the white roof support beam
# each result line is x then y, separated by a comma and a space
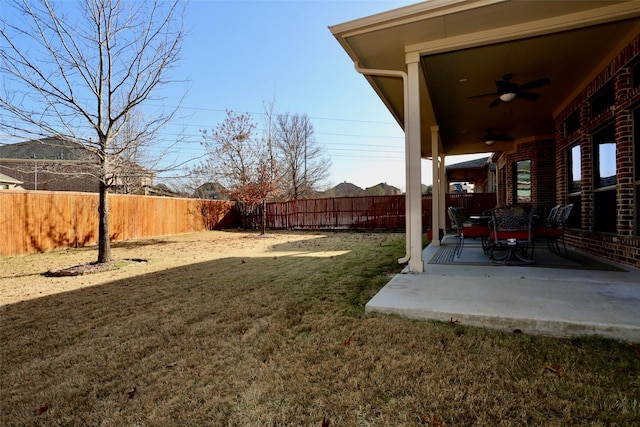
414, 184
436, 188
442, 202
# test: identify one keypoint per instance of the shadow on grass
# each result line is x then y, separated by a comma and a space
73, 350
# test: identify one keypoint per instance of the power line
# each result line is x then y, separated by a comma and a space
224, 110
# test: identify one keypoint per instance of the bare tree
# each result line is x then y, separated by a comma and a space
78, 71
240, 162
132, 155
304, 167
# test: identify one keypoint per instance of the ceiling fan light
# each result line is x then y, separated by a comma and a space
489, 141
506, 97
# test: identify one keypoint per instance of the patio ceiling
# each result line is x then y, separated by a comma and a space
466, 46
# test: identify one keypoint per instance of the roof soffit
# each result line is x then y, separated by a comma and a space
480, 40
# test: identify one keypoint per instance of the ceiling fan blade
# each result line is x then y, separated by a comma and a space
535, 84
528, 95
495, 102
484, 94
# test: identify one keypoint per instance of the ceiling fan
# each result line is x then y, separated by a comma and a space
491, 138
508, 91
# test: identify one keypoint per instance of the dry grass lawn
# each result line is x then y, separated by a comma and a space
231, 329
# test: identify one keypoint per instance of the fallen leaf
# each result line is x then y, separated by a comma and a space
436, 422
556, 369
44, 408
348, 341
132, 392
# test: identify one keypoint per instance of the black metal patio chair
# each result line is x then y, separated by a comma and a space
511, 230
554, 231
465, 229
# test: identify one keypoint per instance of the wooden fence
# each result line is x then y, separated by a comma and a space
369, 212
39, 221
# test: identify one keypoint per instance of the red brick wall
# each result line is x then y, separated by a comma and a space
543, 173
550, 178
624, 246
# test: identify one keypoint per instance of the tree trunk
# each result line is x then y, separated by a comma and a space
104, 242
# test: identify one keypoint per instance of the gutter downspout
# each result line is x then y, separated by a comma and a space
403, 76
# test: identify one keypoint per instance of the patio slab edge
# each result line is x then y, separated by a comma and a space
529, 326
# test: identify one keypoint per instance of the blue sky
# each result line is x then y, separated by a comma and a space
239, 54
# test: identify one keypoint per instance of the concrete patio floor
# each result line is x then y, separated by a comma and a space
533, 299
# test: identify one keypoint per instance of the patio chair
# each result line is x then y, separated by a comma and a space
511, 230
464, 229
554, 231
552, 218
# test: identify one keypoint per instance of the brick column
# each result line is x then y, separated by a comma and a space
624, 155
586, 164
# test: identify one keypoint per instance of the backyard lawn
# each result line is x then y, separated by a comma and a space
233, 329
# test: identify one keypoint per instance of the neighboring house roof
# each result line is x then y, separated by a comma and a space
470, 164
6, 179
212, 191
44, 149
382, 189
65, 160
475, 170
462, 48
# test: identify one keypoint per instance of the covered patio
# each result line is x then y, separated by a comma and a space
556, 296
551, 89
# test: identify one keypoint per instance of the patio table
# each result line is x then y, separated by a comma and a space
480, 219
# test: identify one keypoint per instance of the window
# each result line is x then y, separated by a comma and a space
572, 124
575, 186
522, 184
604, 168
605, 158
635, 72
575, 170
603, 99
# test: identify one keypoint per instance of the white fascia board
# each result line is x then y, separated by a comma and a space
406, 15
617, 12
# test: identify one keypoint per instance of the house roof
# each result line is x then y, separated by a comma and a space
44, 149
9, 180
470, 164
464, 47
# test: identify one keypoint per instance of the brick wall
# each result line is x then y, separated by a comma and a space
543, 173
624, 245
550, 184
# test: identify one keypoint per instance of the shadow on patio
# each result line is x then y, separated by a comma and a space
561, 296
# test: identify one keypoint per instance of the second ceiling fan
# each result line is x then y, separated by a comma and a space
508, 91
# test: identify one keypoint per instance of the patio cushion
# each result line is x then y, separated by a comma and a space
504, 235
475, 231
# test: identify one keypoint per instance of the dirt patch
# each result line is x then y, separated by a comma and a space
33, 276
